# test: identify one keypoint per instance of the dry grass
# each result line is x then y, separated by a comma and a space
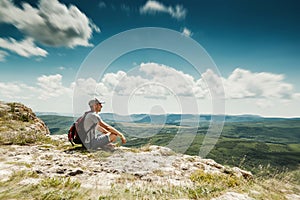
46, 188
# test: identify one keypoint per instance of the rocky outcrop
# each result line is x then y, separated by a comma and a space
18, 121
153, 165
159, 165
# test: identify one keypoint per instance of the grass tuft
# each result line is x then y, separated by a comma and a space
212, 184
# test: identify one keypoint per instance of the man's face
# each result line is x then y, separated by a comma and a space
97, 107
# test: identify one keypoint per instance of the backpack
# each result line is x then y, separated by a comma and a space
78, 126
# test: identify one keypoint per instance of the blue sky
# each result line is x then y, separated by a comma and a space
255, 45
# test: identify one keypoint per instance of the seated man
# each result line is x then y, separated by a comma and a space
93, 122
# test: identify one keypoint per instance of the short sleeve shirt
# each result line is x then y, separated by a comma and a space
91, 119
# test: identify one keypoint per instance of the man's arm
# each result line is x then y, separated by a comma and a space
112, 130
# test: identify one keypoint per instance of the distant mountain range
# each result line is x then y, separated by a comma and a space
187, 118
173, 118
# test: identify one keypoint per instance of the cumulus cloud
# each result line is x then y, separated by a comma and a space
16, 90
152, 7
158, 81
91, 87
51, 23
296, 96
51, 86
3, 54
187, 32
150, 80
246, 84
25, 48
166, 76
155, 80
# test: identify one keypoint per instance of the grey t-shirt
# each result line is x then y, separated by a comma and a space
90, 120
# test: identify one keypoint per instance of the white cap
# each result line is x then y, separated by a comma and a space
95, 101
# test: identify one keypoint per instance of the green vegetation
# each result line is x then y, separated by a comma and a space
149, 191
209, 185
44, 188
205, 186
249, 145
57, 124
22, 138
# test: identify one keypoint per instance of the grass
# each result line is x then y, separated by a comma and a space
55, 188
206, 186
28, 165
149, 191
278, 185
27, 138
213, 184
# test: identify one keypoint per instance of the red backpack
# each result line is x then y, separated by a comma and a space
77, 127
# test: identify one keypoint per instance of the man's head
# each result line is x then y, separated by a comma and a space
96, 105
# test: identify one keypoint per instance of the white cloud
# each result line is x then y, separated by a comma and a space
246, 84
16, 90
25, 48
151, 7
90, 87
51, 23
187, 32
3, 54
296, 96
173, 80
51, 86
158, 81
151, 80
156, 84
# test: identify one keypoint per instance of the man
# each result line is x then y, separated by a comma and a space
94, 123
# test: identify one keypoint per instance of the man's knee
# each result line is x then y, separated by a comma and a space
112, 137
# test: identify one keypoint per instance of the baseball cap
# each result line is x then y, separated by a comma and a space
95, 101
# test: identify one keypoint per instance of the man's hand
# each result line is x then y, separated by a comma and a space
123, 139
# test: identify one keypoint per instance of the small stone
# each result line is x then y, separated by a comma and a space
74, 173
38, 171
293, 197
60, 171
